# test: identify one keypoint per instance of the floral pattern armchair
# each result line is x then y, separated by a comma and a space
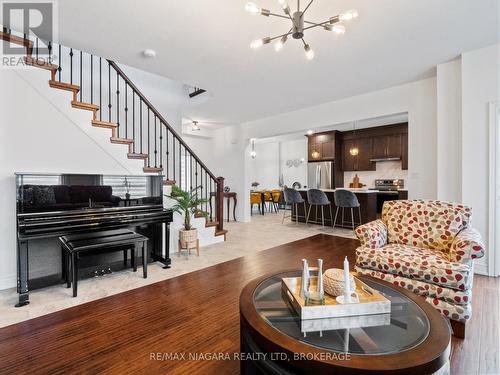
427, 247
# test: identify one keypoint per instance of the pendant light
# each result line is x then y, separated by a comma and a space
354, 150
253, 153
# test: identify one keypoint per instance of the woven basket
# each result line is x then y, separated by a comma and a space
333, 281
188, 236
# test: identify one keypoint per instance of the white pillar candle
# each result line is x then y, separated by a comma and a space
347, 286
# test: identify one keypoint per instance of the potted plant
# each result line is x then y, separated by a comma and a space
187, 203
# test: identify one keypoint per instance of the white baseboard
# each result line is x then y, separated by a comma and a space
481, 269
7, 282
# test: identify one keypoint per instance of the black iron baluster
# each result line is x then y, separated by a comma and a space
156, 152
100, 88
161, 144
173, 159
36, 48
118, 104
81, 75
180, 164
59, 69
91, 79
149, 142
109, 92
71, 65
196, 178
140, 134
168, 159
133, 118
49, 47
190, 171
185, 169
126, 111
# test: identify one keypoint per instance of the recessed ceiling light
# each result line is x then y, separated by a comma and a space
149, 53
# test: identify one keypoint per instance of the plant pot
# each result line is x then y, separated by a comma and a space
188, 237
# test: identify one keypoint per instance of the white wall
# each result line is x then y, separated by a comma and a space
264, 169
294, 150
480, 86
449, 131
36, 136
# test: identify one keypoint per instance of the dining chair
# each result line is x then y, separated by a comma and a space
255, 199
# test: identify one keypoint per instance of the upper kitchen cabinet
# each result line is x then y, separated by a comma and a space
361, 161
323, 146
387, 146
381, 143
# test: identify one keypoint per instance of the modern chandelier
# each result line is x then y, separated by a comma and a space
299, 25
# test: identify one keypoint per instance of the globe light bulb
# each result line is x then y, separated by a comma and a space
257, 43
252, 8
349, 15
278, 46
309, 52
253, 154
354, 151
338, 29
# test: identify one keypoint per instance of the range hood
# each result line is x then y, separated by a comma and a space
385, 159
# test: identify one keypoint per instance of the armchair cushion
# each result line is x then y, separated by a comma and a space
427, 265
372, 235
426, 224
466, 246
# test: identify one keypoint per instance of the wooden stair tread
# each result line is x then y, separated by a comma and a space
86, 106
169, 182
222, 232
64, 86
104, 124
152, 169
211, 224
124, 141
137, 156
39, 63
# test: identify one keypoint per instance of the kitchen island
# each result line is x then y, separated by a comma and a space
367, 200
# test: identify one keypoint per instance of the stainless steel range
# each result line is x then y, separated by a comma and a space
387, 191
389, 185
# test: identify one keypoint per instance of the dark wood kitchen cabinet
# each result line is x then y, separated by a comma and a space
382, 142
323, 146
387, 146
360, 162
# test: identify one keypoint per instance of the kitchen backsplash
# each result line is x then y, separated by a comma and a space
385, 170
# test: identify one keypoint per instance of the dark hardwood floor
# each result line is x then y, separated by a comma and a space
198, 313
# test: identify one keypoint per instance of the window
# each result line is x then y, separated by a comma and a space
135, 186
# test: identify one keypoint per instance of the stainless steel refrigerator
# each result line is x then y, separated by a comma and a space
320, 175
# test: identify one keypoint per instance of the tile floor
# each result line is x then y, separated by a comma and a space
262, 233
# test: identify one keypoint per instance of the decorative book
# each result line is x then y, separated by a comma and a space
368, 301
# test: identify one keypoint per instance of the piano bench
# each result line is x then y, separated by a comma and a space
75, 245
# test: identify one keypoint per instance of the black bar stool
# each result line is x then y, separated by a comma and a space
293, 198
346, 199
317, 198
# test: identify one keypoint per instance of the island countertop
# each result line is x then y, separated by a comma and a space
359, 190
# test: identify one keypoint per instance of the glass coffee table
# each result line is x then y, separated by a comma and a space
413, 338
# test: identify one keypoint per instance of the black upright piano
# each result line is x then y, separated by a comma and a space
52, 205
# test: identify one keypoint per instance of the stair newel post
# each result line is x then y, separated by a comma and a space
219, 203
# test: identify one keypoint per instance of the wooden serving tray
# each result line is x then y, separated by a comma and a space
370, 301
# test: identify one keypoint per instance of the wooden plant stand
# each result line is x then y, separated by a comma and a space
188, 247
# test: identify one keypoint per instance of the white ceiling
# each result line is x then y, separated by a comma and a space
206, 44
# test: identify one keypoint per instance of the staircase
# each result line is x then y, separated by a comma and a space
99, 85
